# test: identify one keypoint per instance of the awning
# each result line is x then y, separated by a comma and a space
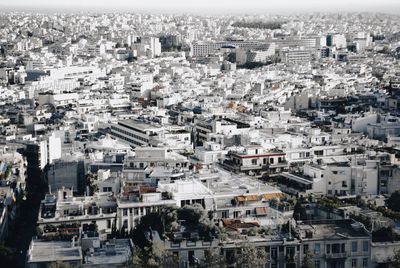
241, 198
261, 211
271, 196
251, 198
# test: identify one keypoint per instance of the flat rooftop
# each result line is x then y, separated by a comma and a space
121, 253
136, 124
218, 183
49, 251
332, 229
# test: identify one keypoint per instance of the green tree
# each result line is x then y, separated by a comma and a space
393, 201
251, 257
114, 227
154, 256
396, 260
341, 109
213, 259
308, 260
299, 211
59, 264
6, 256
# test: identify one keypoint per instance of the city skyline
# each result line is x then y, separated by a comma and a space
207, 6
195, 134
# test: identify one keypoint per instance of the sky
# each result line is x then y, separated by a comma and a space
206, 6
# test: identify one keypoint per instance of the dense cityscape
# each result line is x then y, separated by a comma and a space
177, 140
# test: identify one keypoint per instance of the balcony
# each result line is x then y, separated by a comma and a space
341, 255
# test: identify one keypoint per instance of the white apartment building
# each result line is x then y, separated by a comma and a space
136, 133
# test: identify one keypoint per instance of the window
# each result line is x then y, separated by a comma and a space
317, 264
365, 246
271, 160
328, 249
354, 263
225, 214
305, 249
317, 249
254, 161
365, 263
125, 212
354, 246
274, 253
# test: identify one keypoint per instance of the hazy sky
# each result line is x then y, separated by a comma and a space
213, 6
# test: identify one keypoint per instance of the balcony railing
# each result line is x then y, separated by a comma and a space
340, 255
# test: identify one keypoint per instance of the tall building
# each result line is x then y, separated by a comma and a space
69, 174
337, 40
37, 158
154, 45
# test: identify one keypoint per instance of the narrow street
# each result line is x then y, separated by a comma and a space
24, 228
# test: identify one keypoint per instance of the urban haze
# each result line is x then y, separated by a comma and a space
200, 134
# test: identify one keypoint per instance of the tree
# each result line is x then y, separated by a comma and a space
299, 211
341, 109
213, 259
384, 234
154, 256
196, 216
251, 257
308, 260
396, 260
393, 201
6, 256
114, 227
59, 264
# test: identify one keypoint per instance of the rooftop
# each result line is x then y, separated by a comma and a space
332, 229
50, 251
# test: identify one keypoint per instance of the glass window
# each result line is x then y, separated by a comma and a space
317, 248
365, 262
317, 264
354, 246
365, 246
305, 249
354, 263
